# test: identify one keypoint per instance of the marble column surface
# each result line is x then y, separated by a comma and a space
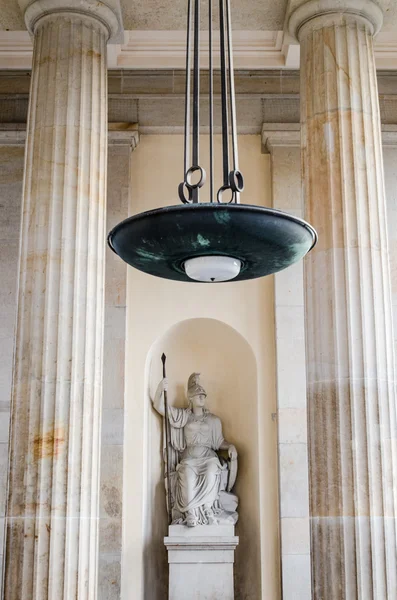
349, 337
52, 510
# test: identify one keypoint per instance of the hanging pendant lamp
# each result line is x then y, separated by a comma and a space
220, 240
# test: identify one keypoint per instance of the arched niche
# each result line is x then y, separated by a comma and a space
229, 374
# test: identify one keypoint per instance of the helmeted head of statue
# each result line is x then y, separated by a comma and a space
196, 394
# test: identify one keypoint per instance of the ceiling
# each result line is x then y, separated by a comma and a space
157, 15
10, 15
171, 14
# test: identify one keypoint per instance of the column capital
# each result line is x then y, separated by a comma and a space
106, 12
306, 15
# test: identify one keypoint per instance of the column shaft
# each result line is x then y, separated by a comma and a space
52, 513
350, 370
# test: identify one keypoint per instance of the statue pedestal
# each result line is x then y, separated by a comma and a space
201, 562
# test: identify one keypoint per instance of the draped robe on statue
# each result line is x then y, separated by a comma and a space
198, 470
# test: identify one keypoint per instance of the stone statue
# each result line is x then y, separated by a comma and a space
201, 479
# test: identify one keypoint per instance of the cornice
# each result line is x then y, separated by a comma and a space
389, 136
284, 135
274, 135
123, 134
167, 49
163, 50
261, 50
119, 134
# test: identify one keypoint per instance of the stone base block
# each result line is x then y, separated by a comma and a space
201, 562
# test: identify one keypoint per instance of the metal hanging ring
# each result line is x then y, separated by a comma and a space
221, 192
236, 181
189, 174
181, 193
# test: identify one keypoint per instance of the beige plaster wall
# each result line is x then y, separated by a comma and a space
154, 306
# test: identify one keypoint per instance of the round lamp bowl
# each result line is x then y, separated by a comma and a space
163, 242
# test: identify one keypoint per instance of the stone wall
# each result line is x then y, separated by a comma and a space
390, 165
11, 172
111, 490
155, 98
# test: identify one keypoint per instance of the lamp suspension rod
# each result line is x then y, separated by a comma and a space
232, 91
225, 122
211, 101
187, 88
196, 92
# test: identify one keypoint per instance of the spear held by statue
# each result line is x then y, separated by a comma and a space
167, 444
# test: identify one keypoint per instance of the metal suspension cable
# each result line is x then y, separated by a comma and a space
211, 100
232, 95
196, 92
231, 87
187, 89
224, 103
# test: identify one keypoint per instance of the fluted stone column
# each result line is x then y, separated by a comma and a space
350, 368
52, 512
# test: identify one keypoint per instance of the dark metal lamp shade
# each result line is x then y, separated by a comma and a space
241, 241
160, 241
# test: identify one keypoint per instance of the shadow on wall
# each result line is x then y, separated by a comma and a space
229, 375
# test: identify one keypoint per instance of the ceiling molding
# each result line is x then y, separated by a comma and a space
389, 135
386, 50
119, 134
284, 135
166, 50
274, 135
123, 134
12, 134
15, 50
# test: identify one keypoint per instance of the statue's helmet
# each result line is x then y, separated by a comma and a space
193, 386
